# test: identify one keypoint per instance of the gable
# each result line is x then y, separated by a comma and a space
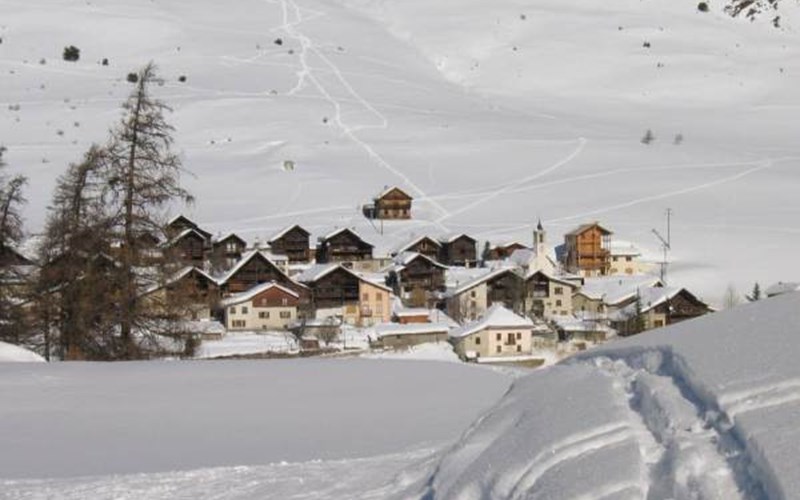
395, 194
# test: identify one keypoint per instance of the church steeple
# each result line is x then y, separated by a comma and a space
539, 238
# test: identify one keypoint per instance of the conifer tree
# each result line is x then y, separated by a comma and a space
11, 201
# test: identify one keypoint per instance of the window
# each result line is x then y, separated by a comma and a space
231, 247
658, 323
473, 294
284, 301
477, 341
558, 290
244, 309
519, 348
263, 314
286, 314
233, 310
499, 336
364, 297
628, 258
519, 336
238, 323
558, 303
498, 349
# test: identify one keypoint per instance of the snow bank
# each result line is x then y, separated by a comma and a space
89, 419
704, 409
13, 353
440, 351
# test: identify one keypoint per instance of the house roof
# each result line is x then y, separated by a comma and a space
280, 234
336, 232
496, 316
253, 292
781, 288
177, 276
188, 221
389, 189
228, 237
480, 279
245, 259
183, 234
615, 289
401, 261
386, 329
410, 243
651, 298
451, 237
316, 272
552, 278
623, 248
584, 227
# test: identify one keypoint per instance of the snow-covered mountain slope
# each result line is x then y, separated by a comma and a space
705, 409
490, 113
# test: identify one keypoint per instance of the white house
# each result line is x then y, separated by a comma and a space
268, 306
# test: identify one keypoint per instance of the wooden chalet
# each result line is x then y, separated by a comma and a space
419, 280
586, 250
657, 307
228, 249
424, 245
459, 250
181, 223
292, 241
11, 257
254, 269
393, 204
189, 247
194, 290
504, 251
343, 245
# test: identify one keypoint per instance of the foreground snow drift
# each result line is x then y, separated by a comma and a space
706, 409
90, 419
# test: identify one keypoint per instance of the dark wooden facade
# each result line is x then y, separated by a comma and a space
500, 252
10, 257
586, 250
229, 249
393, 204
180, 224
343, 246
294, 243
335, 289
460, 250
684, 305
426, 246
419, 280
257, 269
189, 247
508, 289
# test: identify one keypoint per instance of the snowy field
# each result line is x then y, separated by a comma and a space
229, 429
490, 113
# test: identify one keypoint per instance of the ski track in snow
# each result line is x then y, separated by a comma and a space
306, 73
698, 454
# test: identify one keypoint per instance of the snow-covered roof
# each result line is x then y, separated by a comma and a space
615, 289
649, 298
316, 272
342, 230
558, 279
480, 279
228, 236
622, 248
496, 316
583, 227
250, 294
177, 276
280, 234
402, 247
183, 234
389, 189
411, 312
244, 260
576, 324
385, 329
451, 237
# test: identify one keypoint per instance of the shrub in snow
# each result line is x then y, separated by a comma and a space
104, 62
702, 7
182, 78
648, 137
72, 53
278, 41
133, 77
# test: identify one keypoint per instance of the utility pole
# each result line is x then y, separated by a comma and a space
666, 244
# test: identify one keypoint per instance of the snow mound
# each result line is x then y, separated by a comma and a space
440, 351
13, 353
704, 409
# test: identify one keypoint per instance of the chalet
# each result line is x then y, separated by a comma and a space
498, 333
586, 250
572, 328
602, 296
228, 250
458, 250
189, 247
470, 299
418, 280
343, 246
504, 250
424, 245
413, 315
549, 296
190, 293
181, 223
391, 204
338, 292
268, 306
403, 336
256, 268
293, 241
625, 258
657, 307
